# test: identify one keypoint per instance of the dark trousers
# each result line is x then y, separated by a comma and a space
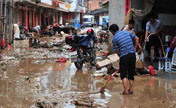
127, 66
56, 29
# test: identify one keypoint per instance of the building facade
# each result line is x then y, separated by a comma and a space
93, 4
101, 15
30, 13
6, 23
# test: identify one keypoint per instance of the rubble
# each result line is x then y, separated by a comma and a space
110, 59
113, 58
103, 63
111, 69
62, 60
42, 104
67, 47
85, 104
98, 74
101, 72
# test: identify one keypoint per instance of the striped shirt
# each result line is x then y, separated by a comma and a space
122, 41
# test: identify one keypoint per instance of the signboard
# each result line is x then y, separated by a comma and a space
49, 2
62, 5
68, 6
127, 6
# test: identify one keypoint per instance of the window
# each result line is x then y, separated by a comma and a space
87, 19
100, 4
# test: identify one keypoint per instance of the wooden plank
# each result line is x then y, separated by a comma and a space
113, 58
103, 63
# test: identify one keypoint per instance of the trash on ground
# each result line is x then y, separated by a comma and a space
98, 74
113, 57
103, 63
152, 71
27, 78
83, 103
67, 47
62, 60
110, 59
111, 69
42, 104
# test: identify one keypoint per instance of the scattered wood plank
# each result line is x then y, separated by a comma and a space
113, 57
86, 104
103, 63
110, 59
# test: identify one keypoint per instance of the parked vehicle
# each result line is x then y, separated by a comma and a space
84, 46
88, 20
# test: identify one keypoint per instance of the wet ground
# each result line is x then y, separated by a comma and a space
30, 75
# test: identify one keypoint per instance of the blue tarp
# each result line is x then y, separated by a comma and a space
76, 24
86, 40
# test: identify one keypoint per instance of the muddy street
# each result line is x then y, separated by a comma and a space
30, 77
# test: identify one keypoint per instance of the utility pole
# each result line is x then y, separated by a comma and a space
5, 20
1, 22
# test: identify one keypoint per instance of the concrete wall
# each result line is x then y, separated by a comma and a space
76, 16
167, 19
117, 12
116, 16
137, 4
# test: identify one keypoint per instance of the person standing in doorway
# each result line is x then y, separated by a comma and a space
130, 28
123, 46
153, 27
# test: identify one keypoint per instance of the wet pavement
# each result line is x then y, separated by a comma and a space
30, 75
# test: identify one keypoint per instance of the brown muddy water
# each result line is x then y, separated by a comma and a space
28, 75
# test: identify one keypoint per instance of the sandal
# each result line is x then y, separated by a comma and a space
130, 92
123, 93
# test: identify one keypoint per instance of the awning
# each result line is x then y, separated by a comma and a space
63, 10
99, 11
140, 14
43, 5
52, 7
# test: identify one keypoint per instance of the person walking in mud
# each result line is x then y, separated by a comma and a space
153, 27
123, 46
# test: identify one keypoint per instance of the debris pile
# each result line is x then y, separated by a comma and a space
43, 104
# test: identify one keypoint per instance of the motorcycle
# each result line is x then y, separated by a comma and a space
103, 36
84, 46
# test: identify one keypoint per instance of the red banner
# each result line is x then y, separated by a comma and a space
127, 6
27, 18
